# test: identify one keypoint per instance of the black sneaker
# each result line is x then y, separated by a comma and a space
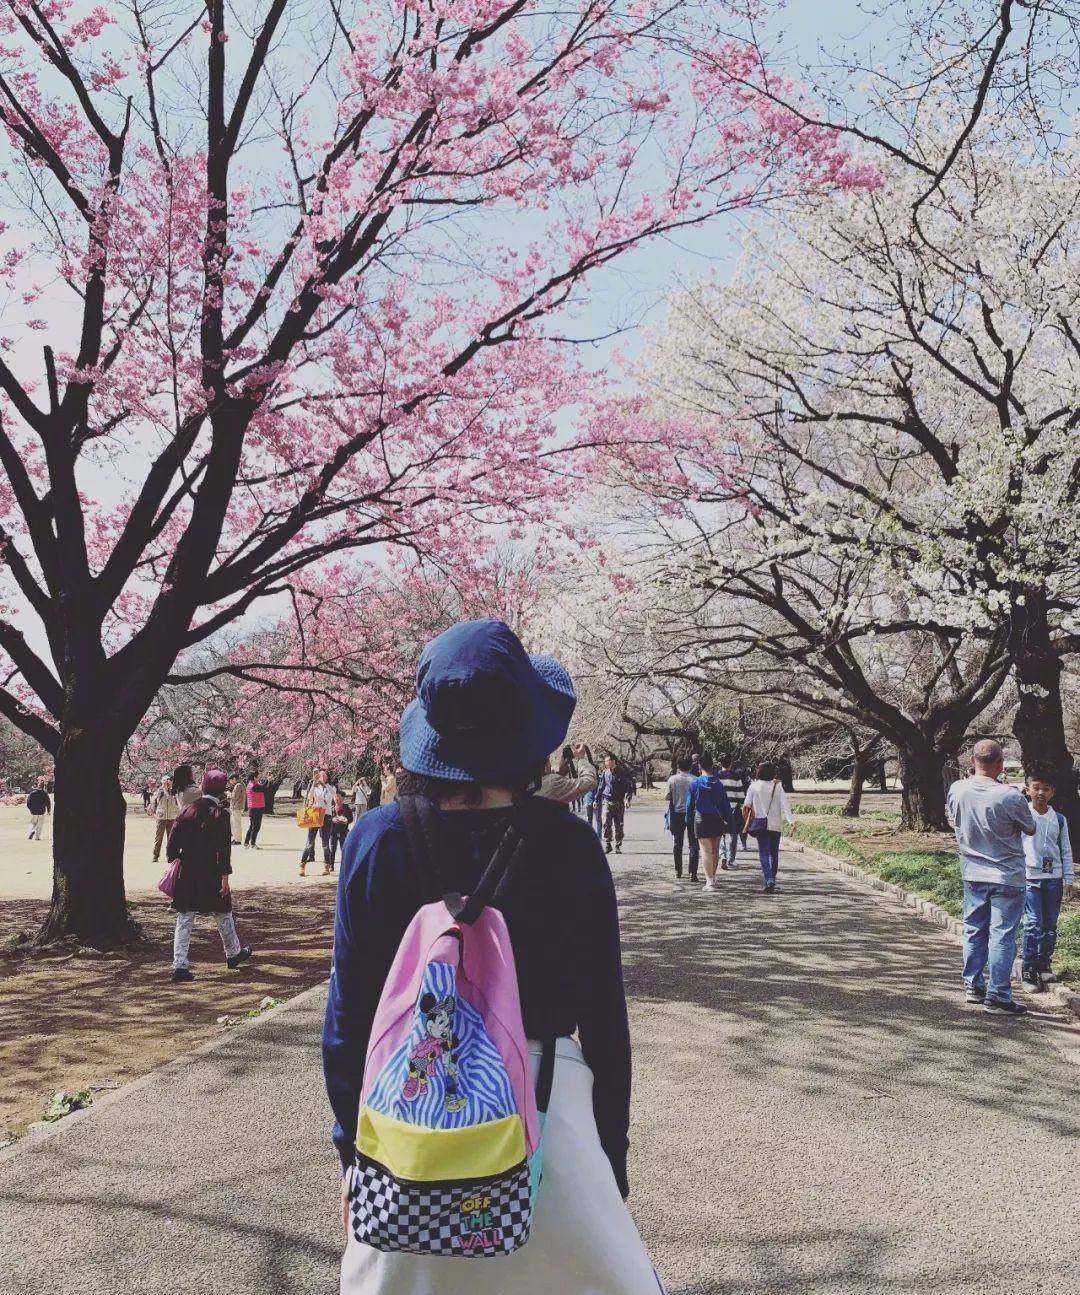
238, 959
1031, 978
181, 975
998, 1007
974, 994
618, 849
607, 847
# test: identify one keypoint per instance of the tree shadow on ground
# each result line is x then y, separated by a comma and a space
827, 960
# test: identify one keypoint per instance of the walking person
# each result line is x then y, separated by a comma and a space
184, 788
743, 775
991, 819
1049, 871
613, 790
387, 779
678, 789
593, 801
572, 780
237, 799
166, 809
200, 840
320, 797
765, 809
708, 807
255, 797
469, 791
38, 804
341, 819
735, 789
361, 795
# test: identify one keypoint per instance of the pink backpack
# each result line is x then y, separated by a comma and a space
448, 1142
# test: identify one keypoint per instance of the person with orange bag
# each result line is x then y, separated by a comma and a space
320, 798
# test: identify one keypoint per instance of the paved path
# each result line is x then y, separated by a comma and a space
815, 1111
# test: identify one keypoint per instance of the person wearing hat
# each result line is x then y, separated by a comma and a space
474, 744
201, 840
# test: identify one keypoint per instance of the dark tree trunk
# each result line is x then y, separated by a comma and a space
922, 777
860, 769
1039, 725
271, 793
880, 774
89, 813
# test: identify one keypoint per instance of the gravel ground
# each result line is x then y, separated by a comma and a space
815, 1110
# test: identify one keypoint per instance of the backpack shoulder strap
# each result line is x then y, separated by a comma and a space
496, 877
422, 833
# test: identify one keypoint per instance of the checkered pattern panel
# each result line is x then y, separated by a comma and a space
472, 1220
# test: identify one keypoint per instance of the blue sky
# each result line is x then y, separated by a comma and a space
633, 289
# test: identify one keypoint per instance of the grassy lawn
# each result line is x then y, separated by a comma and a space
923, 863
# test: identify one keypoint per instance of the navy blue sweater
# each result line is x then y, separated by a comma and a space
708, 798
564, 925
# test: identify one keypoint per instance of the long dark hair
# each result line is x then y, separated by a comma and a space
567, 766
182, 778
416, 784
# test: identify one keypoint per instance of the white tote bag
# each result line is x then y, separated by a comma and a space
583, 1240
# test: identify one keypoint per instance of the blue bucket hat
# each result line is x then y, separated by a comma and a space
485, 710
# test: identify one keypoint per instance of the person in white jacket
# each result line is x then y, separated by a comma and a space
1049, 867
572, 785
766, 800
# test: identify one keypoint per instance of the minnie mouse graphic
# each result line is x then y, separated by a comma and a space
439, 1039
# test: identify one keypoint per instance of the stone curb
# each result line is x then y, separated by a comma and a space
927, 910
42, 1132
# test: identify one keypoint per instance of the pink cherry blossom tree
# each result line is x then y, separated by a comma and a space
281, 285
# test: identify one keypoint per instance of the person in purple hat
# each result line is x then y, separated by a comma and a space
474, 746
201, 839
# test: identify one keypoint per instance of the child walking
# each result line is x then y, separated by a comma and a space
201, 841
1049, 859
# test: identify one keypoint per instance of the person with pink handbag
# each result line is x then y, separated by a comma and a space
200, 846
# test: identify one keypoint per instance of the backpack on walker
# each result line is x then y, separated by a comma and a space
448, 1144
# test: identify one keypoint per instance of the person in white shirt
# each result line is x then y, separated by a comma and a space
679, 825
766, 802
320, 795
1049, 866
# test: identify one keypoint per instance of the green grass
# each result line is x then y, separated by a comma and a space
932, 874
1067, 956
826, 810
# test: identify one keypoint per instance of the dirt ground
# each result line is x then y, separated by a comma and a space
26, 866
98, 1020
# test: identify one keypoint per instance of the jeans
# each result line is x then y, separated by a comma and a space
226, 925
768, 844
255, 818
681, 827
1042, 903
729, 846
326, 832
594, 812
337, 837
992, 913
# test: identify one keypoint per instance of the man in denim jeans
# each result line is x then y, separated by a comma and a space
991, 819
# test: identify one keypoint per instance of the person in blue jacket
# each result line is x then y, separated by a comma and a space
708, 808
